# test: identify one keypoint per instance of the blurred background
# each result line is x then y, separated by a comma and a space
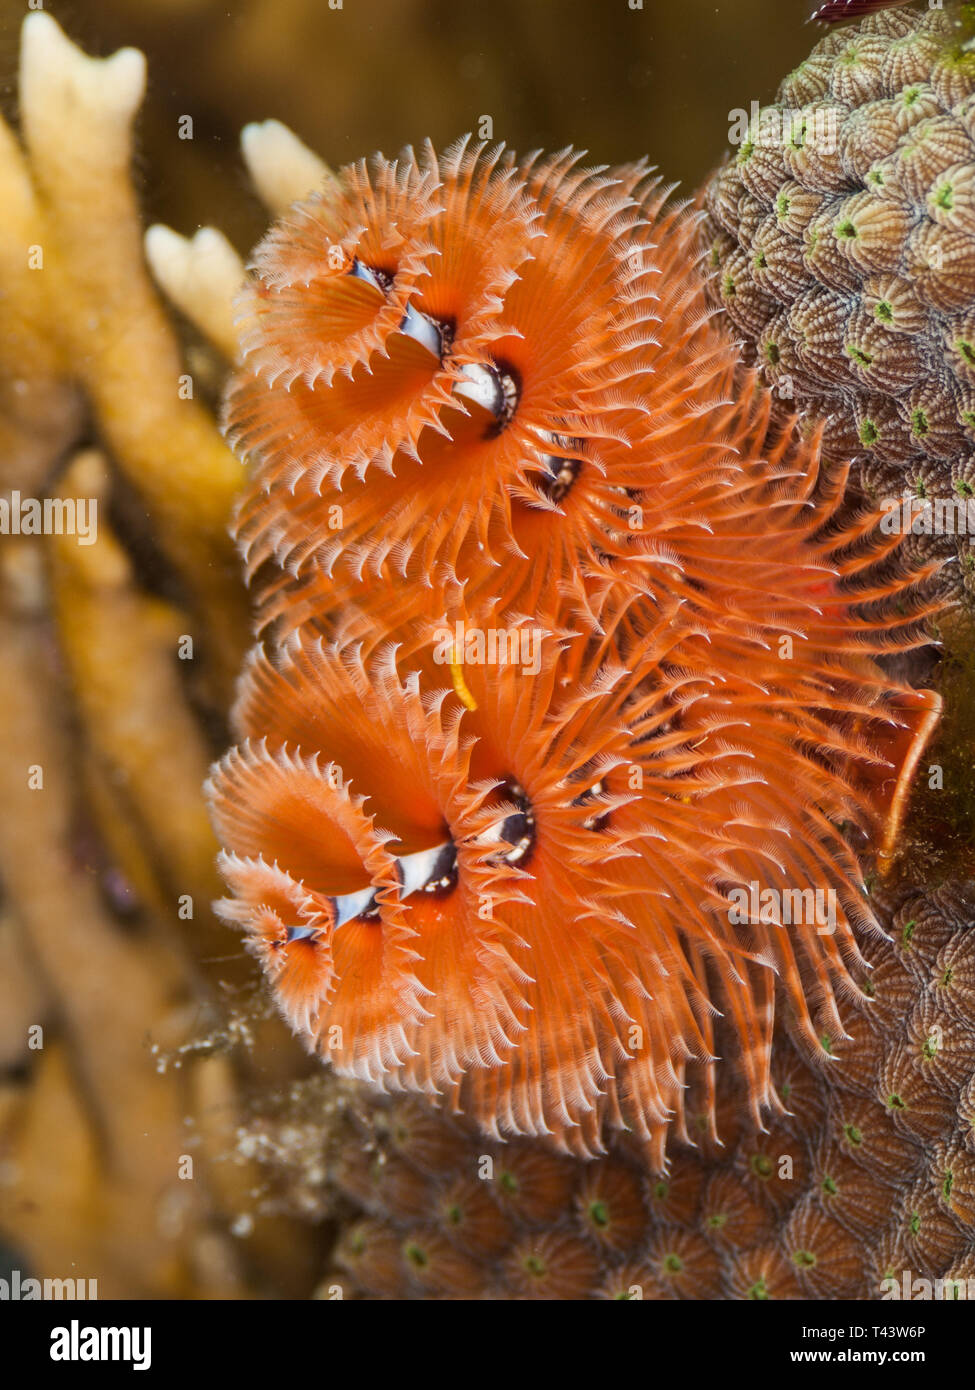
378, 74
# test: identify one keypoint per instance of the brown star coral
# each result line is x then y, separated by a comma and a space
842, 238
851, 1187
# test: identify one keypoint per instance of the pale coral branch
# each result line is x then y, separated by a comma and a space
94, 1109
282, 167
77, 117
40, 411
121, 650
200, 275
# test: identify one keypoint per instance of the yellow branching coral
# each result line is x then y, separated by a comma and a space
119, 646
106, 859
86, 254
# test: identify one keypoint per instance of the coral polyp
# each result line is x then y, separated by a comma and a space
565, 640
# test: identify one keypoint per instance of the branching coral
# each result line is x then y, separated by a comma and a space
105, 854
96, 307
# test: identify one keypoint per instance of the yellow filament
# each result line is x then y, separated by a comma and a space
460, 685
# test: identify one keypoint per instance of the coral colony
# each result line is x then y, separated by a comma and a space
846, 263
589, 684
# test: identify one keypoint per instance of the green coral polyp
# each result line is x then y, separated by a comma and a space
599, 1214
858, 355
944, 197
